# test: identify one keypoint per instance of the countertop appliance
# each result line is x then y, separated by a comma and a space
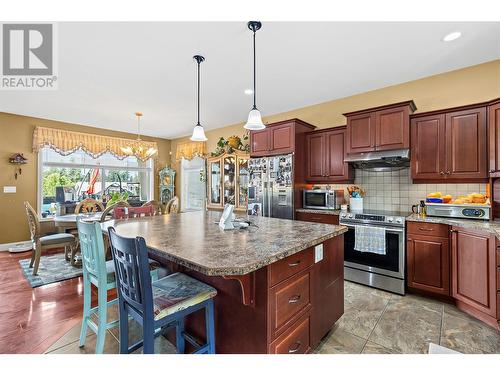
380, 161
270, 186
460, 211
319, 199
385, 271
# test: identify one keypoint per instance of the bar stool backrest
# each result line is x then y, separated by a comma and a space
132, 271
92, 247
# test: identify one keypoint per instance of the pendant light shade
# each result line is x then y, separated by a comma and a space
254, 121
198, 131
198, 134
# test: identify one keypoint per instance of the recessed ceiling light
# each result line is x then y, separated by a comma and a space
452, 36
248, 91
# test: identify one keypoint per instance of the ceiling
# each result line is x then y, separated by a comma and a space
108, 71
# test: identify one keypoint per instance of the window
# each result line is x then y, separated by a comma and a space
193, 188
80, 176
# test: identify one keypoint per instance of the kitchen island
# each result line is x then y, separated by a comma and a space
279, 282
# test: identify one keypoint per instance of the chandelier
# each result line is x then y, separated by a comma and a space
138, 148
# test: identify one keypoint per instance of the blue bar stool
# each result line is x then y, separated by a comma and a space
100, 273
157, 305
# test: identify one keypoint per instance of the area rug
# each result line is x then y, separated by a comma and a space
53, 268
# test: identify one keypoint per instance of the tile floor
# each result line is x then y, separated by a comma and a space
374, 322
380, 322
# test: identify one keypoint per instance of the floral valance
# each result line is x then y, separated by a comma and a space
189, 150
66, 142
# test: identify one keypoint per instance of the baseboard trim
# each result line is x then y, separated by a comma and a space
5, 246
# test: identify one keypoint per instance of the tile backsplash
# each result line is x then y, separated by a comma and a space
394, 191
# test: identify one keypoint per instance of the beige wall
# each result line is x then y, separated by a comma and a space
16, 135
464, 86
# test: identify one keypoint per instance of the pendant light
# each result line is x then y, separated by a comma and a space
138, 148
198, 132
254, 121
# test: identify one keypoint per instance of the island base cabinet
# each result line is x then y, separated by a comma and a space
474, 272
283, 308
328, 289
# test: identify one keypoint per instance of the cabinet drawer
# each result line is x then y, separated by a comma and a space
428, 229
288, 299
318, 218
291, 265
295, 340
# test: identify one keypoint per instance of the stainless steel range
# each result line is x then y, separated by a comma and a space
384, 270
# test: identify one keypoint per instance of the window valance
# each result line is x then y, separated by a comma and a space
66, 142
189, 150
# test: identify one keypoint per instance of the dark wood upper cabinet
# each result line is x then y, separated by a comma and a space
381, 128
259, 142
325, 153
282, 138
466, 144
361, 133
428, 155
392, 130
450, 145
315, 156
494, 137
474, 269
278, 138
428, 258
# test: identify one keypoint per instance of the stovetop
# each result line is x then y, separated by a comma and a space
393, 218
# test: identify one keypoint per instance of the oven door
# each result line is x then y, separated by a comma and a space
390, 264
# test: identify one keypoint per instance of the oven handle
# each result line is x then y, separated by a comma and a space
394, 230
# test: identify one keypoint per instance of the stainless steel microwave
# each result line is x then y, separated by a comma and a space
322, 199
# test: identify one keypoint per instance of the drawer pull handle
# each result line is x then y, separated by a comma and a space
295, 348
294, 299
426, 229
295, 264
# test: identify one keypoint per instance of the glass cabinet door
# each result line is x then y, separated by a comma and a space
229, 163
243, 177
214, 169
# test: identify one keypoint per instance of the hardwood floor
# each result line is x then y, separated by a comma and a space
31, 320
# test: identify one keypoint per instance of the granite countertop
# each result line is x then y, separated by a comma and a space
316, 211
488, 226
194, 240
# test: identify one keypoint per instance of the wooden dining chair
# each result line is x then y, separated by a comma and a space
172, 206
44, 242
109, 210
157, 305
132, 212
157, 207
100, 273
89, 205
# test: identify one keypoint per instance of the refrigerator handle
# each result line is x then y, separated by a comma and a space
264, 200
269, 198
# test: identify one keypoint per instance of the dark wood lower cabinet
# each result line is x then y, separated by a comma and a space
458, 263
474, 269
317, 217
428, 264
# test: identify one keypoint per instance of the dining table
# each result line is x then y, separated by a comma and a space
68, 222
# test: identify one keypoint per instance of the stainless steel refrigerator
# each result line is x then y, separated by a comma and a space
270, 187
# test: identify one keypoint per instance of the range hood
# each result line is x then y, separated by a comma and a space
380, 160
